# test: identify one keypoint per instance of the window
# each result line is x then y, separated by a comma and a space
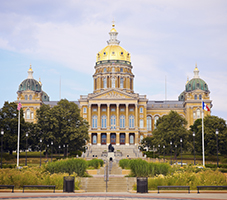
85, 110
113, 69
200, 97
28, 114
121, 83
32, 115
104, 121
141, 123
198, 113
122, 121
131, 109
94, 139
104, 83
94, 121
113, 82
113, 122
149, 123
141, 109
122, 109
195, 96
155, 120
131, 121
121, 69
30, 97
112, 109
104, 70
104, 109
194, 115
141, 138
94, 109
26, 97
131, 139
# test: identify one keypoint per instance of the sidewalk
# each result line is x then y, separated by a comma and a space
113, 196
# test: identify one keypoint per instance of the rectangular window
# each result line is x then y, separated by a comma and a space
112, 109
141, 109
104, 109
94, 109
141, 123
131, 109
85, 110
122, 109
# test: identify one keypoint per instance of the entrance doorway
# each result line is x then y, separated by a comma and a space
113, 138
131, 138
103, 139
122, 138
94, 138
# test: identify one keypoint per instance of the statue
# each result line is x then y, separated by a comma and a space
110, 148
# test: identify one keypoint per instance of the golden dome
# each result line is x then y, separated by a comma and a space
30, 69
113, 51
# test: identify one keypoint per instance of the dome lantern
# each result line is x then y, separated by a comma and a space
30, 72
196, 72
113, 36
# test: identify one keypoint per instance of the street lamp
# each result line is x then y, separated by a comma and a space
181, 150
47, 151
159, 153
194, 145
164, 152
2, 133
26, 148
153, 151
67, 150
217, 144
59, 150
51, 150
64, 149
171, 150
176, 153
40, 151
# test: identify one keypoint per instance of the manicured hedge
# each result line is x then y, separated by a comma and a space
96, 163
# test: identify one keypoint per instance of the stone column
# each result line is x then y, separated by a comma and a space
98, 138
107, 138
136, 138
117, 138
126, 138
136, 117
108, 116
99, 124
90, 138
126, 120
117, 117
89, 115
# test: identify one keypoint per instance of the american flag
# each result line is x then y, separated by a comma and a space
19, 106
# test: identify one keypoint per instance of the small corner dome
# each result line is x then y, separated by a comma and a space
30, 84
45, 97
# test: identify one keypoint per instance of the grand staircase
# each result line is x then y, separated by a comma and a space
117, 182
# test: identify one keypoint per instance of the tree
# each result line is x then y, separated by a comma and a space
148, 143
63, 125
9, 123
211, 123
171, 128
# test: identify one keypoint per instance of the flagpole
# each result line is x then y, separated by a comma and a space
203, 136
18, 139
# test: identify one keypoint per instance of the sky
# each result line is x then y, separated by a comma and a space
60, 39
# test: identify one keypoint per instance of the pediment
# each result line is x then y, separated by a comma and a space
114, 94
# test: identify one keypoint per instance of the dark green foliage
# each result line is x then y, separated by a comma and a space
139, 167
67, 166
124, 163
96, 163
158, 168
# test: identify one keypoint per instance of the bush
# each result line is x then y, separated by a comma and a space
158, 168
211, 165
69, 166
139, 167
124, 163
96, 163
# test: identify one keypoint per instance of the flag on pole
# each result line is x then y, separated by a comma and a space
205, 106
19, 106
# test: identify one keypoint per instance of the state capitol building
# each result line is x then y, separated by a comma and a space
115, 113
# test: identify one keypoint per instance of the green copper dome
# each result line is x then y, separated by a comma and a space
30, 84
196, 83
45, 97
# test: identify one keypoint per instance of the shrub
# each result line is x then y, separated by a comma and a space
139, 167
96, 163
69, 166
124, 163
158, 168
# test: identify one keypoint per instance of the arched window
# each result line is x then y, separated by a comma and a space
113, 82
104, 70
141, 123
104, 121
94, 121
200, 97
195, 97
113, 122
149, 128
28, 114
32, 115
121, 70
26, 97
85, 110
122, 121
30, 97
131, 121
155, 120
198, 113
141, 109
121, 83
94, 139
131, 139
104, 83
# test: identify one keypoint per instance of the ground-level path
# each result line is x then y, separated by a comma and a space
113, 196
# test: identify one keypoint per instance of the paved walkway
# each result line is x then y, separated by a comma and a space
113, 196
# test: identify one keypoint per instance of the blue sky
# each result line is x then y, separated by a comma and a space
165, 38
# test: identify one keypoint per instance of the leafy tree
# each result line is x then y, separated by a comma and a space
63, 125
148, 143
211, 123
9, 123
171, 128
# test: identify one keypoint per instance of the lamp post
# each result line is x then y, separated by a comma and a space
176, 153
181, 150
217, 144
194, 145
159, 152
47, 152
67, 150
26, 148
164, 152
153, 151
40, 151
2, 133
64, 150
51, 150
171, 150
59, 150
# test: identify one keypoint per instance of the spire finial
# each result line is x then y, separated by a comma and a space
30, 72
113, 23
113, 35
196, 71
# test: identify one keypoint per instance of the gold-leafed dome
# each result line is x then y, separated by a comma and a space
113, 51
